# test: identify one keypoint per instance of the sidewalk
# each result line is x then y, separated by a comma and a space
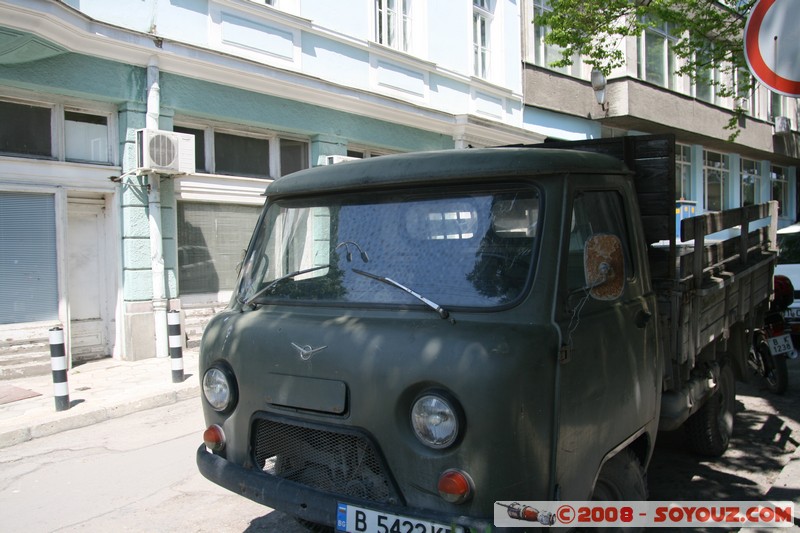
98, 390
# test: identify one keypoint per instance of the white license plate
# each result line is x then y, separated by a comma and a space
792, 312
780, 344
354, 519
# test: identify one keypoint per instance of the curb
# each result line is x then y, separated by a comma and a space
65, 423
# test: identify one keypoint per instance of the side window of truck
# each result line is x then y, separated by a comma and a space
595, 212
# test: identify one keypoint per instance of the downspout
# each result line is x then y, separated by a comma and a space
154, 205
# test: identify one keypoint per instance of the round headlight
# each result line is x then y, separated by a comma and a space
434, 421
218, 389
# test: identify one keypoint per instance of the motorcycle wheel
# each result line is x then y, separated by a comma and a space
777, 375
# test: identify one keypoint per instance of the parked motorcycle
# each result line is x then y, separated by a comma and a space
772, 343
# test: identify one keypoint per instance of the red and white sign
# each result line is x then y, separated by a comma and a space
772, 45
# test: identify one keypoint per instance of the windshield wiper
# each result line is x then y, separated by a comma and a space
436, 307
275, 282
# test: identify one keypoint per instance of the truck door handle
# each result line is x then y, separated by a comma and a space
643, 316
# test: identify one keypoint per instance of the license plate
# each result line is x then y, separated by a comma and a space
792, 312
354, 519
780, 345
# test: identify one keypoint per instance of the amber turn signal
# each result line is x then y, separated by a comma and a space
214, 438
455, 486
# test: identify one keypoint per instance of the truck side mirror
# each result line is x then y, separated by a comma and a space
604, 266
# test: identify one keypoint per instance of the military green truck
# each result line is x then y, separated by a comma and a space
415, 337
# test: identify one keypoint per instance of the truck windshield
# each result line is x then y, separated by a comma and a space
468, 249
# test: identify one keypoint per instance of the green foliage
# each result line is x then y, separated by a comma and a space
710, 34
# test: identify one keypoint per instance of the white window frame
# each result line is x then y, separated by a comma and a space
745, 167
668, 60
537, 48
481, 38
780, 175
683, 172
714, 77
57, 127
723, 167
394, 27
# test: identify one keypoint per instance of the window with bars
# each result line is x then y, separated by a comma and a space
481, 18
393, 23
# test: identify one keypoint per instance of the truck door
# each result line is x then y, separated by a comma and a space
609, 382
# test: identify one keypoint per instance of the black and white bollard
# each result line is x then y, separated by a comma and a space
175, 345
58, 363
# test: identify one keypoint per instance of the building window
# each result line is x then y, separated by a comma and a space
777, 105
779, 181
707, 78
241, 156
86, 137
199, 146
481, 17
745, 93
294, 156
211, 242
545, 54
25, 130
393, 23
55, 132
716, 179
657, 62
28, 268
751, 182
256, 155
683, 172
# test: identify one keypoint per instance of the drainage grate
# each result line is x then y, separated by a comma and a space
340, 463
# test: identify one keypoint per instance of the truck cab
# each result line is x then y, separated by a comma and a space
422, 335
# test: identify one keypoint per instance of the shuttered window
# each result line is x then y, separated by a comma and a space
28, 271
211, 243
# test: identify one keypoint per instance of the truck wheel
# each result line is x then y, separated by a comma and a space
621, 478
709, 430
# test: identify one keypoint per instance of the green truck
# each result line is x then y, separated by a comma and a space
415, 337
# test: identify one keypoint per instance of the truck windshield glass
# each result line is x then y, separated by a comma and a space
471, 249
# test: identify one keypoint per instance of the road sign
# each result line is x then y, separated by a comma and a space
772, 45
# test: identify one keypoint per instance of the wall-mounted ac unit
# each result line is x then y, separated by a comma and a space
333, 159
167, 152
783, 125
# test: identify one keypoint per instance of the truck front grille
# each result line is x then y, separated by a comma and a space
344, 464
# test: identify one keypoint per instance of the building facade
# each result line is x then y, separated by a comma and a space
265, 88
91, 243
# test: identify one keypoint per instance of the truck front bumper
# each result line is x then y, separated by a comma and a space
305, 503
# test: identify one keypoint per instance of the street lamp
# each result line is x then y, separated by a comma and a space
599, 88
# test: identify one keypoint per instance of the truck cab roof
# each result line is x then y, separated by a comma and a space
443, 166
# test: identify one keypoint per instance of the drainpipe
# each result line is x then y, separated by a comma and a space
154, 204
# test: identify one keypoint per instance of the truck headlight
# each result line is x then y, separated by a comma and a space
219, 388
434, 421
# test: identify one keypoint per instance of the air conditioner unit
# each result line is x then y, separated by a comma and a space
783, 125
167, 152
333, 159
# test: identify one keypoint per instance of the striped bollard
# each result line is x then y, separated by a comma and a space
175, 345
58, 363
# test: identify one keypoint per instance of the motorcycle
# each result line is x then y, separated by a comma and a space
772, 343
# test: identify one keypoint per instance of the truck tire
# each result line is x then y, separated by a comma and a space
621, 478
708, 431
